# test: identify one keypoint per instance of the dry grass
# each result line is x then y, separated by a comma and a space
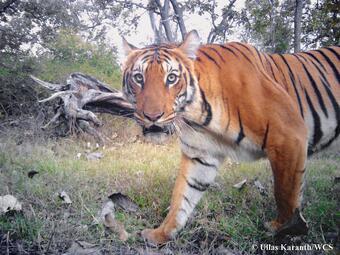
225, 218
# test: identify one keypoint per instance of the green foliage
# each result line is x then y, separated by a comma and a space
70, 53
322, 24
268, 24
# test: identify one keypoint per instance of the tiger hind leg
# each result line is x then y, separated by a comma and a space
288, 166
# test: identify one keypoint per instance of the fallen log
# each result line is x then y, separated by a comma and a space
80, 98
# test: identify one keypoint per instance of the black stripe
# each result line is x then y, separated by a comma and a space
317, 123
331, 64
146, 57
337, 132
209, 57
316, 59
272, 58
264, 143
167, 57
316, 66
259, 55
284, 81
337, 114
217, 52
244, 55
242, 45
180, 68
183, 210
316, 90
124, 78
300, 56
192, 85
167, 61
241, 133
187, 200
206, 108
315, 87
225, 48
190, 146
202, 162
201, 184
271, 67
192, 124
292, 79
334, 52
229, 120
197, 186
185, 78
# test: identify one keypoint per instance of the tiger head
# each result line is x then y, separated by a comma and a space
159, 80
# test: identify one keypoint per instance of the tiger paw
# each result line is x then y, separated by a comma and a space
155, 236
295, 226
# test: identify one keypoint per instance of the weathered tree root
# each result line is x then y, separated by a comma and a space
80, 98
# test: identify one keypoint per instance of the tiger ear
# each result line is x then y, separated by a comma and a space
190, 44
127, 47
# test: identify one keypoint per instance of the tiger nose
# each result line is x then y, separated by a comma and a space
153, 116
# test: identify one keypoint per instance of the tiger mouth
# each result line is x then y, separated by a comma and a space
155, 129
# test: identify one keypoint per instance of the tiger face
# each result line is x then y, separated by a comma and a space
158, 80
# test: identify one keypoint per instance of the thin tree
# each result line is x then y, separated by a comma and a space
297, 25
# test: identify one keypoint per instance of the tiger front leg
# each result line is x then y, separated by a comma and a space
288, 164
194, 177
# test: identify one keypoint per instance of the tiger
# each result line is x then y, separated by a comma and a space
231, 100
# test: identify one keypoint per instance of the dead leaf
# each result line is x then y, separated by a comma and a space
94, 156
31, 174
108, 218
124, 202
9, 203
83, 248
240, 185
65, 197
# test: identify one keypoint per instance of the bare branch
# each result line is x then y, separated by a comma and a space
50, 86
56, 95
179, 16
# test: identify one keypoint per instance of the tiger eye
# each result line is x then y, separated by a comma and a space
138, 78
171, 78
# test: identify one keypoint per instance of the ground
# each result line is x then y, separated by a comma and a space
226, 220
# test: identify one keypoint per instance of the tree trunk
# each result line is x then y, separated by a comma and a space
272, 26
165, 20
297, 25
179, 17
155, 30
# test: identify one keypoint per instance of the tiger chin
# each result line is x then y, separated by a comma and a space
230, 100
